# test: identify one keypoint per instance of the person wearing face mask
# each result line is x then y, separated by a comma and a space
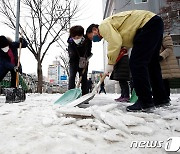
9, 58
79, 47
142, 31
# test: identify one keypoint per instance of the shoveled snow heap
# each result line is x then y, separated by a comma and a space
37, 126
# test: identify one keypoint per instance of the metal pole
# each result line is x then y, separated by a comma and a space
17, 21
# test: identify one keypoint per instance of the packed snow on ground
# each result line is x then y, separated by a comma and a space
38, 126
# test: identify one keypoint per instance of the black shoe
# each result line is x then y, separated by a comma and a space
163, 103
136, 107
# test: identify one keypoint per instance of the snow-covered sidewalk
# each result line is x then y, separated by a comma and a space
36, 126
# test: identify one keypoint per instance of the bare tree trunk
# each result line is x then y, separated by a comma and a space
50, 19
40, 76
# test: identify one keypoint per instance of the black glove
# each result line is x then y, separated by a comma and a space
16, 69
90, 56
21, 40
160, 58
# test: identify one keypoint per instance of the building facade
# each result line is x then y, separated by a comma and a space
57, 74
169, 10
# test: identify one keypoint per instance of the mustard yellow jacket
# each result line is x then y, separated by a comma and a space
119, 30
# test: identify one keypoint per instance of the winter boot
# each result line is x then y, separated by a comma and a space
118, 98
121, 99
162, 103
137, 107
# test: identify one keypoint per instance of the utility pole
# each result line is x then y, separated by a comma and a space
17, 21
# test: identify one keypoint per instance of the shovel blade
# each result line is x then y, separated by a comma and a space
69, 96
14, 95
81, 100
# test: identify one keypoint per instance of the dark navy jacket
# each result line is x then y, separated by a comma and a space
5, 60
82, 50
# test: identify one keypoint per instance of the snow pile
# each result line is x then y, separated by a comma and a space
38, 126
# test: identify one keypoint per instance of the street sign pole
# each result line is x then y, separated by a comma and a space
17, 21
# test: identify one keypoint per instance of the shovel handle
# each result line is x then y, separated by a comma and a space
18, 64
121, 54
99, 83
80, 78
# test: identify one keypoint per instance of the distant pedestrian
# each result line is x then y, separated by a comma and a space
90, 84
102, 89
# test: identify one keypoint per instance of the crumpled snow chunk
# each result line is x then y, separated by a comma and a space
115, 135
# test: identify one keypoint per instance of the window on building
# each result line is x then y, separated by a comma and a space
178, 59
176, 39
140, 1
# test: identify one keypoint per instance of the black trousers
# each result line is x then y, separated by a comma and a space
124, 88
102, 89
73, 69
144, 63
4, 71
167, 87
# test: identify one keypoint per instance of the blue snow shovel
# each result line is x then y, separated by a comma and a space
87, 97
71, 94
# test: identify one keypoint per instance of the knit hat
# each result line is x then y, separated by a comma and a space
3, 41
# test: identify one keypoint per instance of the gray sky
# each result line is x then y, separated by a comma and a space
92, 13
